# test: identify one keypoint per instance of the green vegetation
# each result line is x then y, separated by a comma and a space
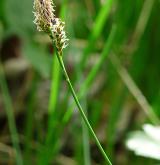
113, 64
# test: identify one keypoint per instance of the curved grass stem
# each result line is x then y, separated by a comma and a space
59, 56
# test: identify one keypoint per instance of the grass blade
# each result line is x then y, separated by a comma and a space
97, 29
11, 121
132, 87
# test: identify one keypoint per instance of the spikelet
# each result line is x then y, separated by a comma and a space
46, 21
59, 34
44, 14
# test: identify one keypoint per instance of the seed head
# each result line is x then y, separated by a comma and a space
46, 21
59, 34
44, 14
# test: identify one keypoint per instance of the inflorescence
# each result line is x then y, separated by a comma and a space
48, 23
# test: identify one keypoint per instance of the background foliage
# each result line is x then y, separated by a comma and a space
121, 77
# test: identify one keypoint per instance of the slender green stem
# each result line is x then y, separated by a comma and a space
10, 116
59, 56
92, 74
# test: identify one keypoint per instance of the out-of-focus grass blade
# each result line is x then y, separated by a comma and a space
55, 82
29, 124
10, 115
135, 91
97, 29
114, 113
107, 48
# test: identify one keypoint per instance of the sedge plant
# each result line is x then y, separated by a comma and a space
54, 27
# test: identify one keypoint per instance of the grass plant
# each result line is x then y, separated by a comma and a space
46, 21
81, 102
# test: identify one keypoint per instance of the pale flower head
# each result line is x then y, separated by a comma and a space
59, 34
48, 23
44, 14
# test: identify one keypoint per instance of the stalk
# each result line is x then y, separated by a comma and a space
54, 27
60, 59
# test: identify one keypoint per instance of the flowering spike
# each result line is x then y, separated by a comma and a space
59, 34
44, 13
46, 21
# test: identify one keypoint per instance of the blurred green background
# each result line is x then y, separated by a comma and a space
113, 50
